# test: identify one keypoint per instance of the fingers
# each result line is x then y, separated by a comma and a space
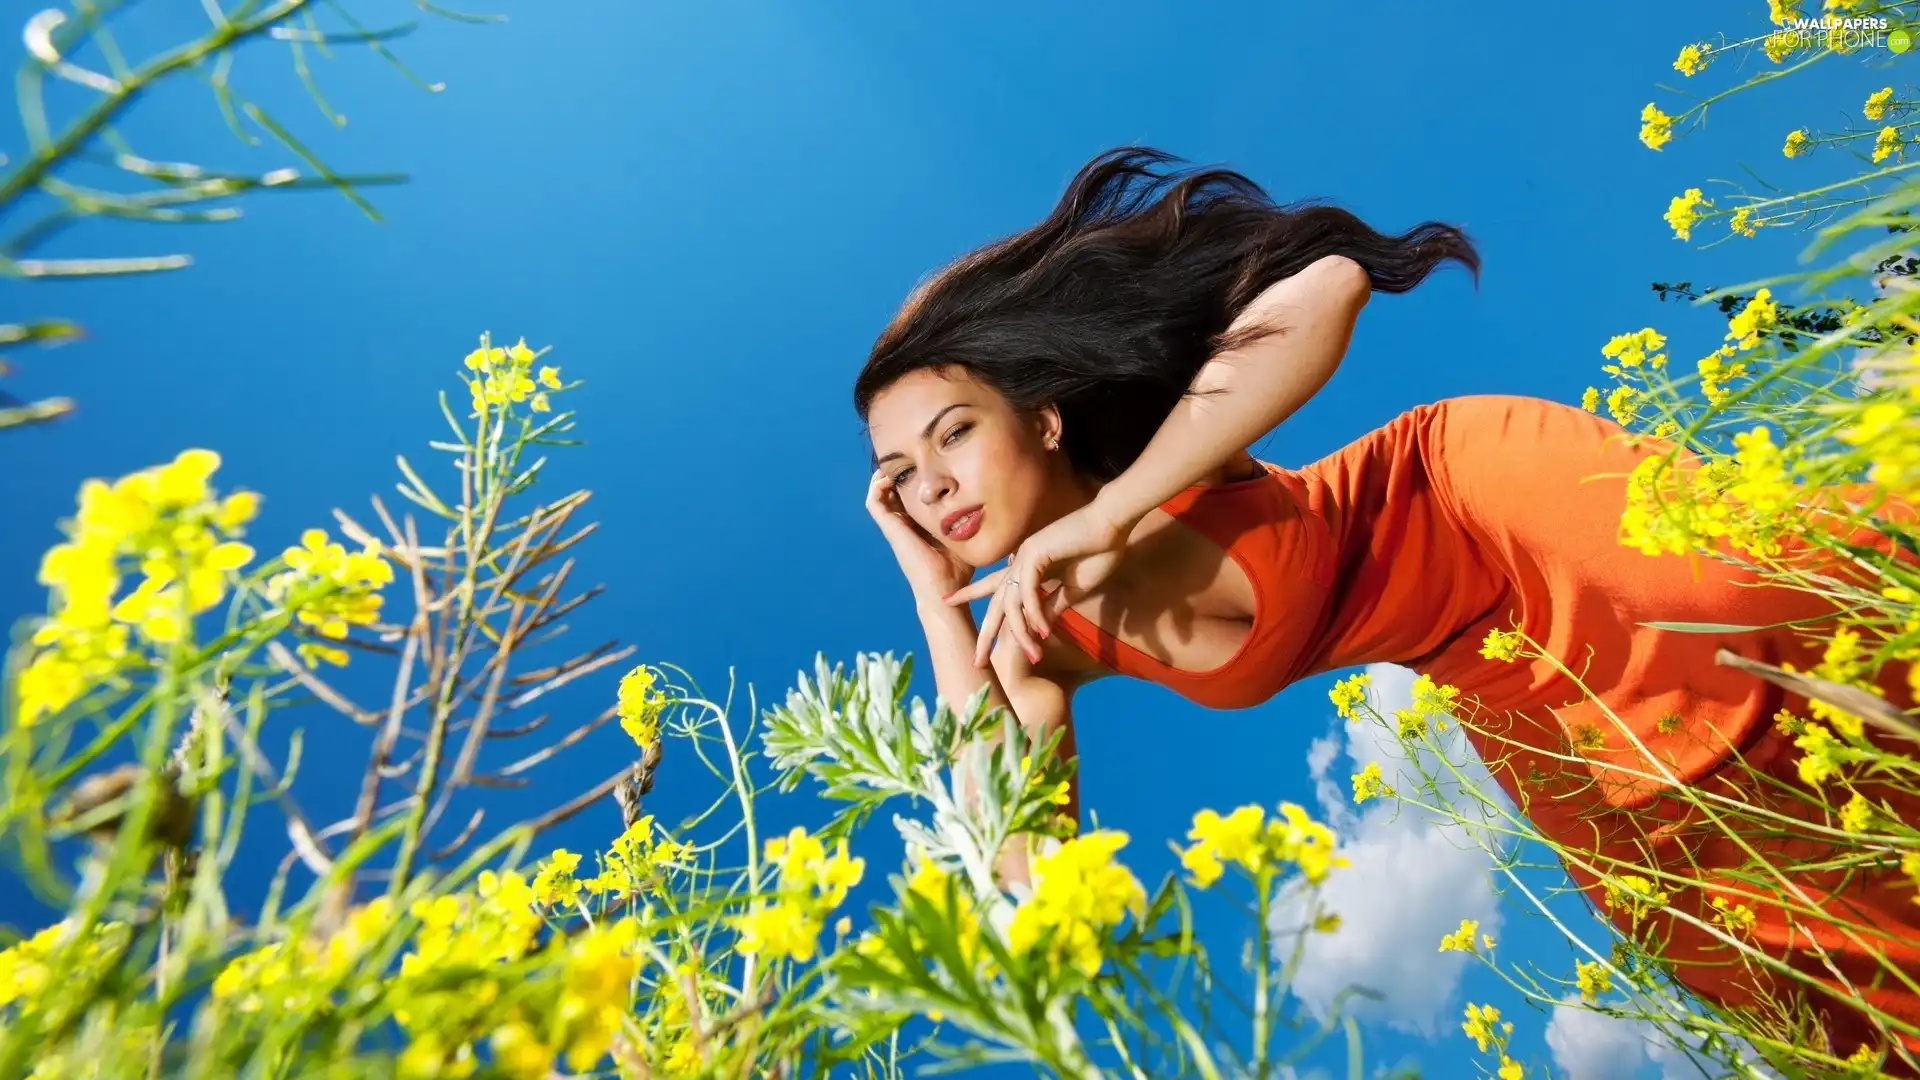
989, 628
1006, 615
986, 586
1033, 615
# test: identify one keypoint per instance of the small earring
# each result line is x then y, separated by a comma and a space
1053, 444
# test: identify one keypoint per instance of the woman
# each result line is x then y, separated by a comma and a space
1079, 399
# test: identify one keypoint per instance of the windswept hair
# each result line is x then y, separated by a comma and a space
1109, 307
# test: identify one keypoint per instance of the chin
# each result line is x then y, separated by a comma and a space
984, 548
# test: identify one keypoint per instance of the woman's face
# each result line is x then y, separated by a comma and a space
969, 470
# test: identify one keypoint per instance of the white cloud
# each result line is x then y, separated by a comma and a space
1592, 1046
1413, 877
1588, 1045
1411, 881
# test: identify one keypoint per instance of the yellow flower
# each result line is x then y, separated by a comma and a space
1479, 1024
236, 511
1684, 211
519, 1052
1501, 645
1797, 143
1348, 693
550, 378
1742, 222
1461, 940
1693, 59
1758, 316
1876, 106
778, 931
1656, 127
1886, 144
1636, 894
1593, 979
1640, 347
554, 882
1781, 44
1080, 893
1590, 400
1368, 783
1783, 11
1857, 815
1734, 916
1511, 1069
639, 706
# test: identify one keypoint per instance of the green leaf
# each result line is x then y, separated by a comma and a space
259, 116
44, 332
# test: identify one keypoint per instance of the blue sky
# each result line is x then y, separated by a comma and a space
709, 210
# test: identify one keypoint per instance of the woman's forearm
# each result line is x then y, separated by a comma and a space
1239, 396
951, 637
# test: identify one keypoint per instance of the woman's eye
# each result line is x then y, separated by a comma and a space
956, 433
901, 476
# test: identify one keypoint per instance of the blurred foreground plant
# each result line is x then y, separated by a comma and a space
87, 167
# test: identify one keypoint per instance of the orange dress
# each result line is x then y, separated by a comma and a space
1494, 512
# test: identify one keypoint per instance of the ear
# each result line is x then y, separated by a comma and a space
1047, 424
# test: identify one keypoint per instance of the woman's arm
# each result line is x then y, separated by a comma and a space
1242, 394
1038, 701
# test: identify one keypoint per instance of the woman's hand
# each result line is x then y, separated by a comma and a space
1057, 565
931, 570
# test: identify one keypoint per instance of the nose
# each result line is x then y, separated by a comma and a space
935, 484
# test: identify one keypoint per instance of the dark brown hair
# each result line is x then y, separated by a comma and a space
1109, 307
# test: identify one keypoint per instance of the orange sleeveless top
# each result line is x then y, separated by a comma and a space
1355, 559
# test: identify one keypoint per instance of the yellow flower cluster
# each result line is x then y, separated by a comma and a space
1642, 347
330, 589
1886, 144
575, 1016
954, 912
1429, 700
639, 705
1750, 499
1080, 894
297, 974
1843, 662
1735, 916
506, 377
1634, 893
1693, 58
1484, 1026
1502, 645
1461, 940
1885, 436
1370, 783
1592, 979
1877, 103
27, 967
166, 520
1260, 846
1656, 127
1348, 694
812, 884
637, 862
1798, 142
1685, 211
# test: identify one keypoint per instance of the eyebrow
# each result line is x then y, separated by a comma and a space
925, 432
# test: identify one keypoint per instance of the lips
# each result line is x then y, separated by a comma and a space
961, 524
